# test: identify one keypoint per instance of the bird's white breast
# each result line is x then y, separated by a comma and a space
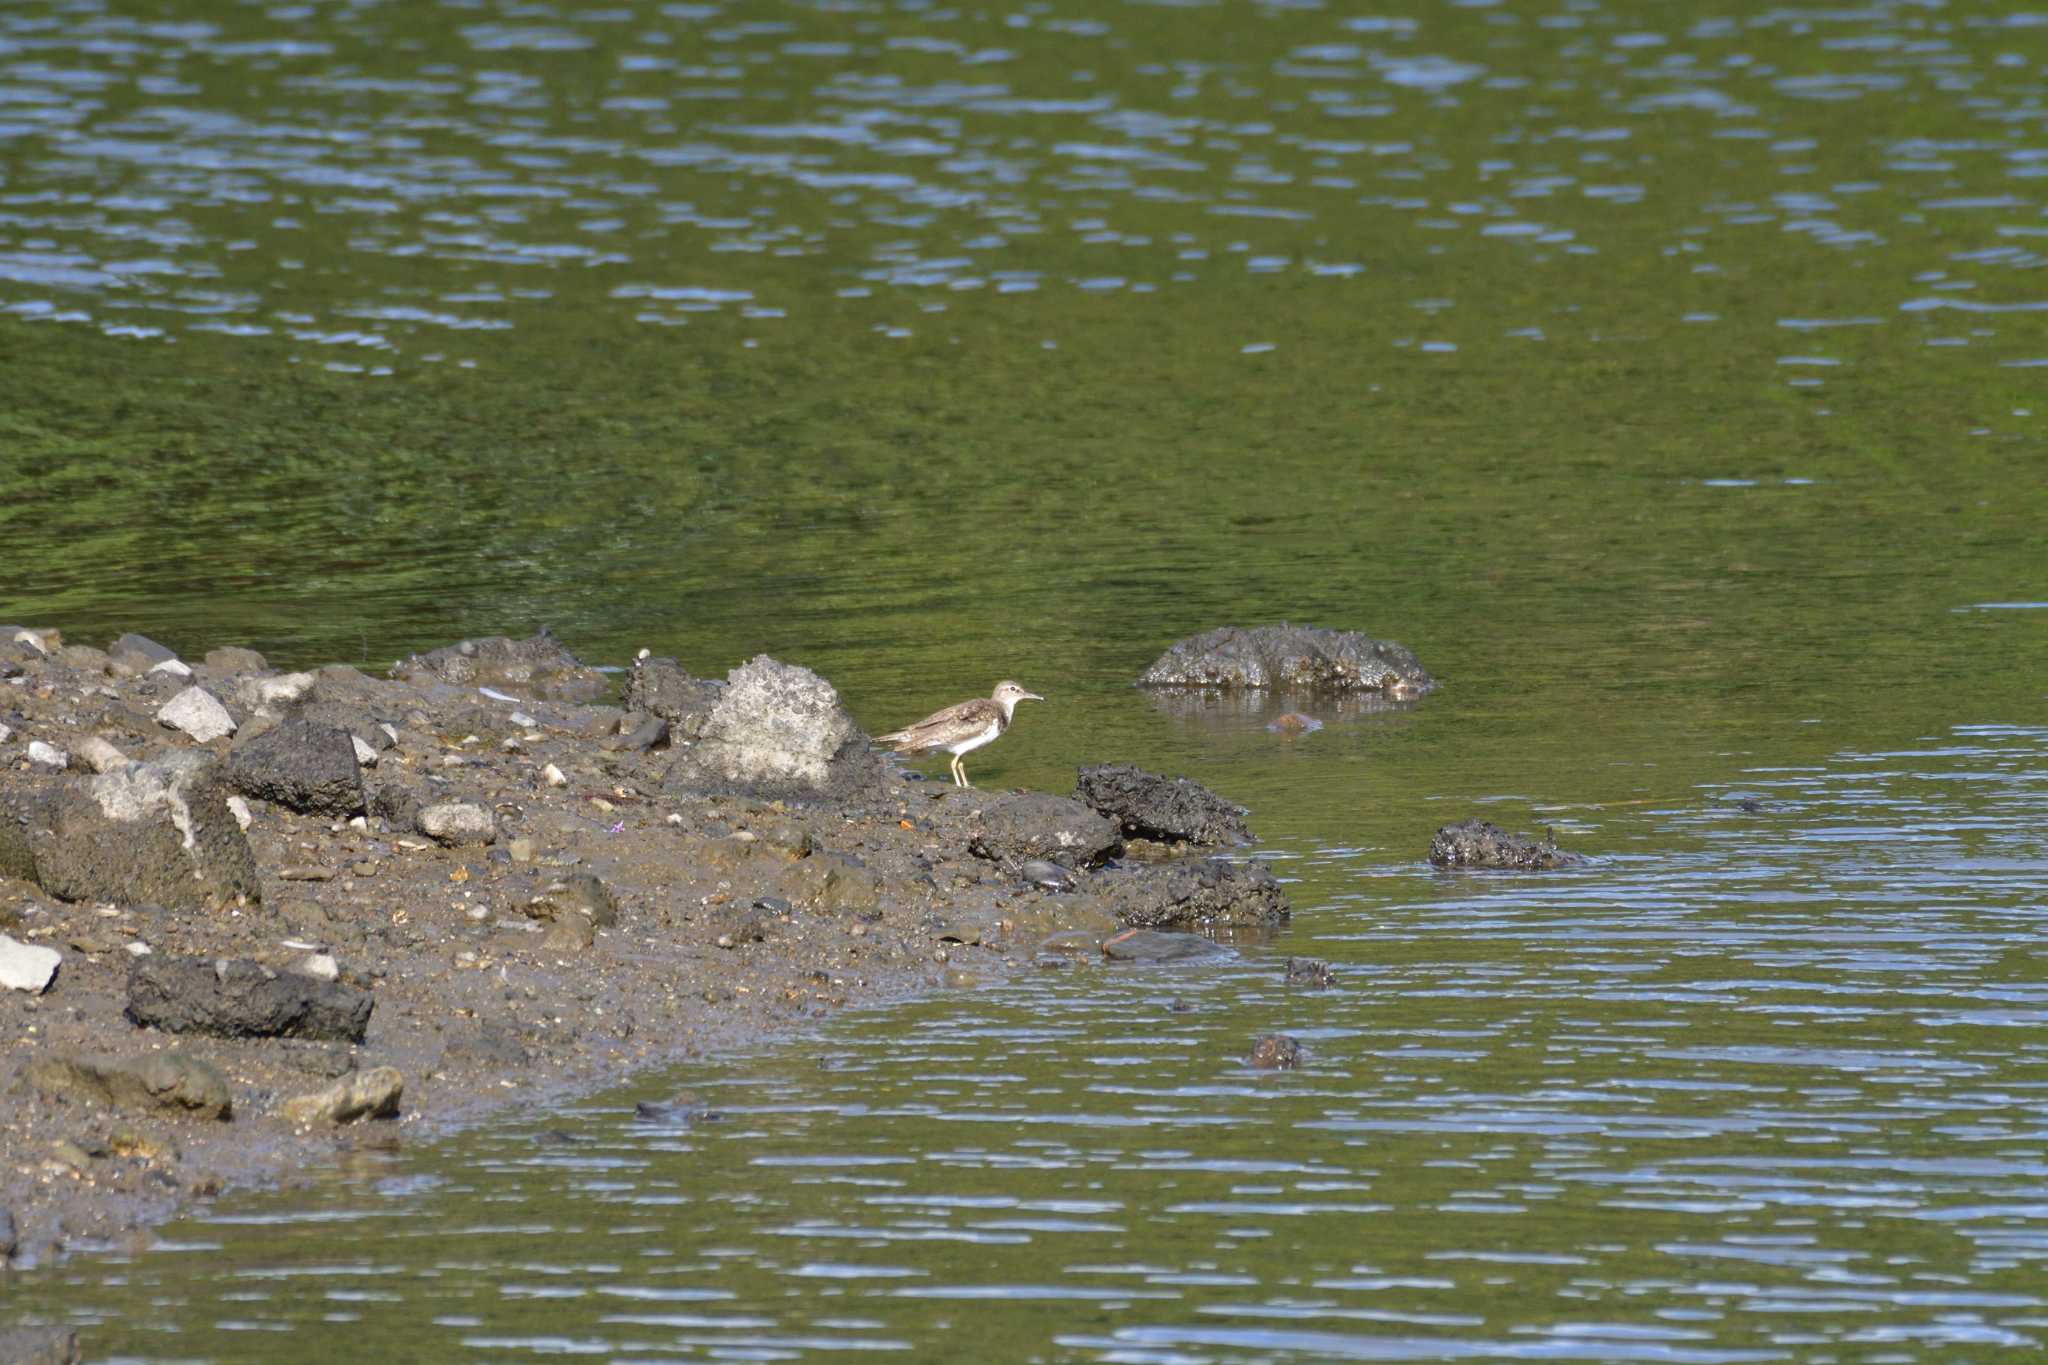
977, 740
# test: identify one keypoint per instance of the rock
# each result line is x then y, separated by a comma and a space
139, 653
778, 732
10, 1241
1293, 723
1046, 873
275, 692
1275, 1052
1015, 827
83, 659
397, 805
581, 894
1289, 657
150, 833
1206, 896
368, 1094
366, 757
302, 766
660, 687
568, 936
48, 756
638, 732
1149, 806
229, 660
1477, 843
5, 733
101, 756
1306, 971
22, 635
538, 667
240, 999
174, 668
39, 1346
26, 966
155, 1081
239, 808
828, 882
320, 966
458, 822
1151, 945
199, 714
553, 776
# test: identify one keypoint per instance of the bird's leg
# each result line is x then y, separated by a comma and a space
960, 772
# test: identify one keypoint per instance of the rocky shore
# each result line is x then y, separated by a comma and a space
249, 917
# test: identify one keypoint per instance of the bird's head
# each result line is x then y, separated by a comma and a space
1008, 694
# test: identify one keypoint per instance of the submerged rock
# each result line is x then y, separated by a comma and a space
779, 731
1165, 809
1292, 658
539, 666
156, 833
1205, 895
39, 1346
1307, 971
1275, 1052
1154, 945
241, 999
1477, 843
302, 766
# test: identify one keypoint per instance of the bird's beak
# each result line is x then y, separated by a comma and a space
1031, 696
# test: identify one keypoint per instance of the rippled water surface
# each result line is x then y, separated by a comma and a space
1670, 378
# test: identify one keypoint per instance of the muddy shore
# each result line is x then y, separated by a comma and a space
295, 913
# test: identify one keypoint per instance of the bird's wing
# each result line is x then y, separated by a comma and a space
922, 734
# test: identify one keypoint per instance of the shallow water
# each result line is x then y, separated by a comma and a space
1670, 382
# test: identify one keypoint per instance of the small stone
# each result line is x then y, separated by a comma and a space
522, 850
370, 1094
176, 668
33, 640
26, 966
571, 934
306, 873
554, 776
68, 1155
239, 808
101, 756
522, 720
47, 755
5, 734
458, 822
365, 755
364, 868
286, 689
199, 714
321, 965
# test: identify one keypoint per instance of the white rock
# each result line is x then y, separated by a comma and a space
47, 755
177, 668
27, 967
239, 808
458, 822
283, 690
365, 756
138, 949
390, 731
101, 756
522, 720
321, 965
32, 640
554, 776
5, 734
198, 713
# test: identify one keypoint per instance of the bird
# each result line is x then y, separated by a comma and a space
962, 727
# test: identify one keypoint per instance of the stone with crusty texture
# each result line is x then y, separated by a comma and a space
149, 833
157, 1081
1168, 809
458, 822
1275, 1052
1017, 827
660, 687
1289, 658
241, 999
580, 894
372, 1094
778, 732
302, 766
1204, 895
198, 713
27, 966
39, 1346
539, 666
1482, 844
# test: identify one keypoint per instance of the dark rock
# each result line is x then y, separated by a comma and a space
639, 732
535, 667
1013, 828
39, 1346
84, 659
1149, 806
661, 687
158, 1081
343, 685
10, 1240
1208, 895
302, 766
582, 894
685, 1110
1275, 1052
1152, 945
139, 653
239, 999
1292, 658
1046, 873
398, 806
1477, 843
157, 832
1306, 971
778, 732
229, 660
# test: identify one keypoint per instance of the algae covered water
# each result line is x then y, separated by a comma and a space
1670, 381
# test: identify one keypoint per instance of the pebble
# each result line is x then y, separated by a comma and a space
32, 640
522, 720
199, 714
365, 755
282, 690
177, 668
554, 776
239, 808
321, 965
27, 967
306, 873
522, 850
101, 756
5, 734
47, 755
458, 822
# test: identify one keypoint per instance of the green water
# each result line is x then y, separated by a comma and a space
1670, 381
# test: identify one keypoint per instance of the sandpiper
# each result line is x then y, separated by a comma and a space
961, 728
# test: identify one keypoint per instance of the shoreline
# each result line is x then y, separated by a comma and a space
477, 885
